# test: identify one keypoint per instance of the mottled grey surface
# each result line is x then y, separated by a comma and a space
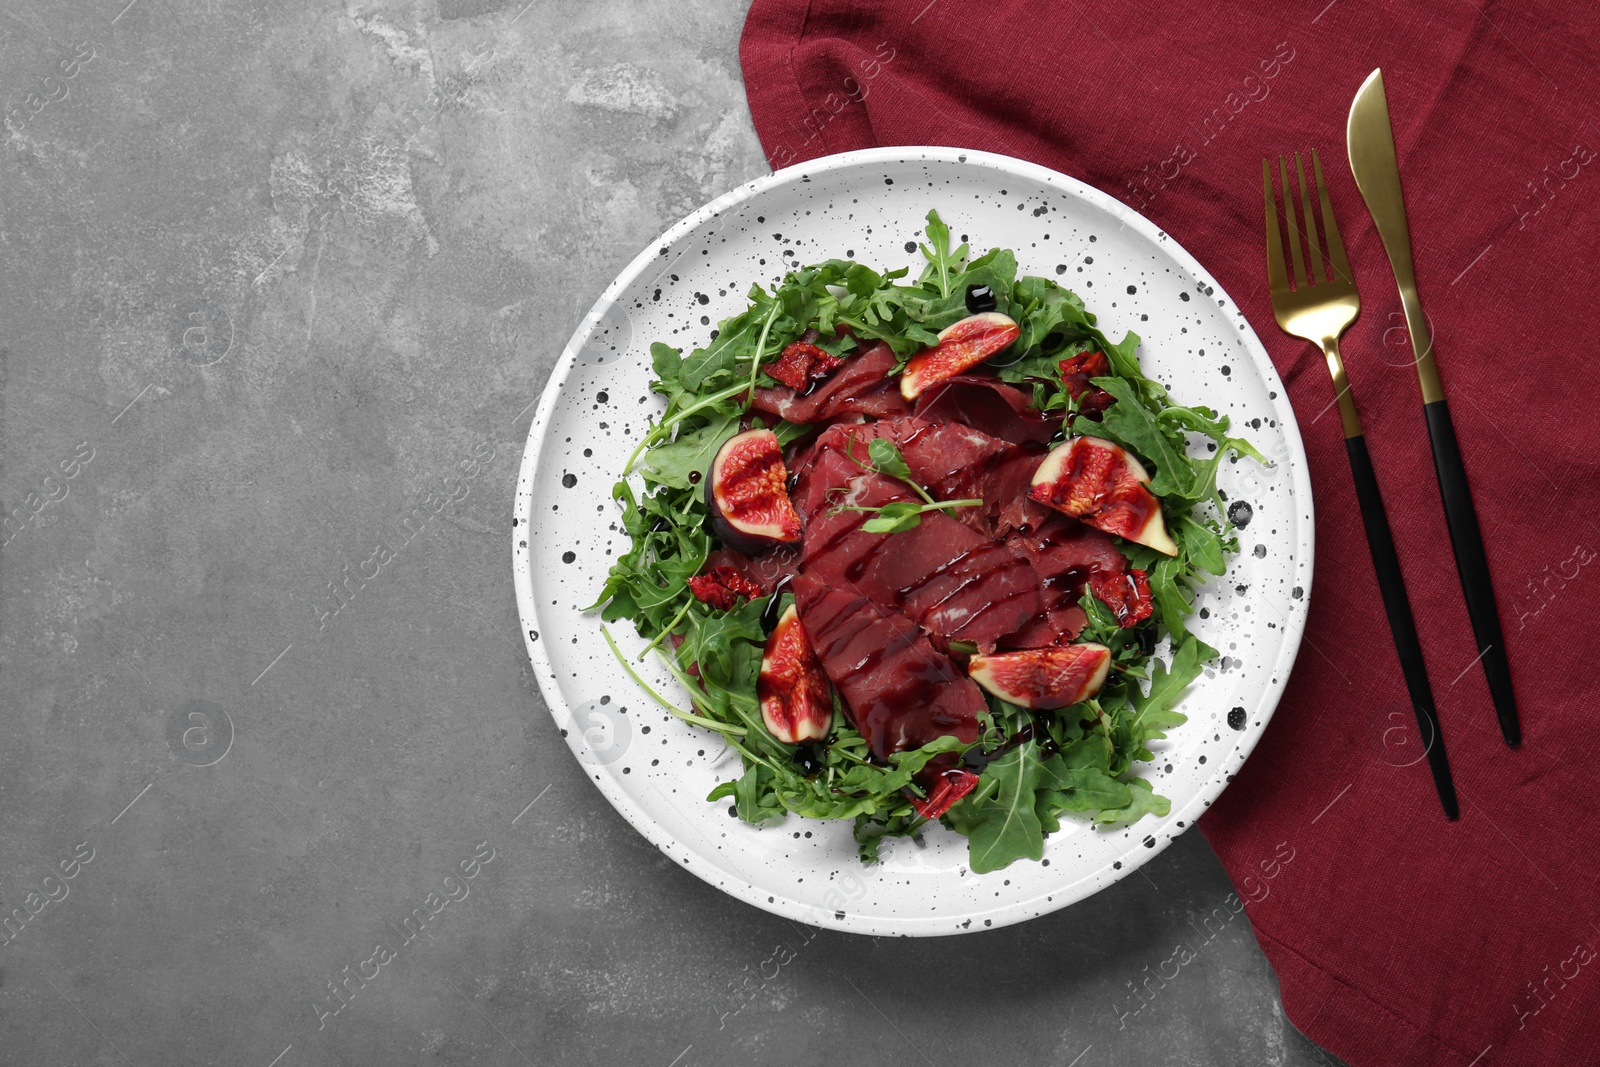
280, 279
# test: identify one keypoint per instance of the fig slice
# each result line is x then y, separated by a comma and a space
796, 700
1043, 678
747, 497
1104, 486
962, 345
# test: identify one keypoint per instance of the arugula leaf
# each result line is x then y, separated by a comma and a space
752, 799
723, 355
1168, 594
672, 463
667, 363
1086, 790
870, 832
1201, 545
999, 817
1143, 801
1152, 713
942, 262
1206, 421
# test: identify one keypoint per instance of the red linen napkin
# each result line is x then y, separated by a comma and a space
1398, 937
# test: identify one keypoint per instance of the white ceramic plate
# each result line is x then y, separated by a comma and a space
870, 205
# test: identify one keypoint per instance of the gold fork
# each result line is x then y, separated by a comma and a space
1319, 309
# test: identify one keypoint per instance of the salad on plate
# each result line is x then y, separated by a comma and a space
923, 551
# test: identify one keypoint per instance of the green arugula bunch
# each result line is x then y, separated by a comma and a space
1079, 761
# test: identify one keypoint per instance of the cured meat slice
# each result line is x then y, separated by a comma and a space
949, 461
987, 404
955, 462
861, 387
1011, 509
953, 581
899, 692
826, 479
1066, 555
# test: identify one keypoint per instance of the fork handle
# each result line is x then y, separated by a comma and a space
1401, 624
1472, 563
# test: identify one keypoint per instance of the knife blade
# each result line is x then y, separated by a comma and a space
1370, 140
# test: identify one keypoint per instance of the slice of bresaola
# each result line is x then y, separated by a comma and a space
1065, 554
951, 580
899, 691
954, 462
861, 387
987, 404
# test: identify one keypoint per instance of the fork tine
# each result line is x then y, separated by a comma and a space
1313, 250
1277, 272
1288, 216
1341, 265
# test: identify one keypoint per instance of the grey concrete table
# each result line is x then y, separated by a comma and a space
281, 282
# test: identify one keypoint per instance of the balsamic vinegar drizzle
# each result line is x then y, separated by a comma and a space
770, 613
976, 759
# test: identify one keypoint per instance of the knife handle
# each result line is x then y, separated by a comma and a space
1473, 565
1401, 624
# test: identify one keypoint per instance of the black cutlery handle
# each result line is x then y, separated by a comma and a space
1401, 624
1473, 565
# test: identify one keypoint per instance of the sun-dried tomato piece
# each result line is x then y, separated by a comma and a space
721, 587
802, 363
951, 786
823, 364
1075, 374
1127, 595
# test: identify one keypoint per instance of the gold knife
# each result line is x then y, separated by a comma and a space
1372, 160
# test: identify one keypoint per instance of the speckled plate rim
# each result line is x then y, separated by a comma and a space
1008, 912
